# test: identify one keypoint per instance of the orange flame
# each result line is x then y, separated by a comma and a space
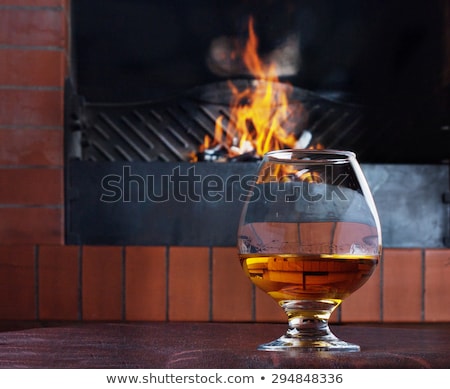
258, 114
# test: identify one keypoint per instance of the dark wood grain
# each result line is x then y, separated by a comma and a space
213, 345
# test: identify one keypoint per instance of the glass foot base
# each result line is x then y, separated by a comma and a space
308, 329
285, 343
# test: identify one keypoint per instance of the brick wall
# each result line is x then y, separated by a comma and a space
41, 278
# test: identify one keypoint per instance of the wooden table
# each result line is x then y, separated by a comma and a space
213, 345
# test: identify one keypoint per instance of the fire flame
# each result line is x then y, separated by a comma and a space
259, 114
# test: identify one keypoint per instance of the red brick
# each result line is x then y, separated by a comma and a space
32, 68
437, 285
31, 225
31, 186
17, 283
65, 4
335, 316
31, 107
38, 3
31, 147
231, 289
267, 309
145, 283
102, 292
189, 288
58, 282
402, 285
364, 305
32, 27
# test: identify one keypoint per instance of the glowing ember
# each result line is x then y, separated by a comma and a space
260, 116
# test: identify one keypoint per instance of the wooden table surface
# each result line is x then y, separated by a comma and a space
213, 345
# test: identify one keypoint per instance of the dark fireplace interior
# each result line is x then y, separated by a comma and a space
148, 80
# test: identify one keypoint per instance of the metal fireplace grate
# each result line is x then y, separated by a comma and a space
171, 130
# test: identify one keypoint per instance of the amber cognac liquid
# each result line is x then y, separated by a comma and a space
311, 277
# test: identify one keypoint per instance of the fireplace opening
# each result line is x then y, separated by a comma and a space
149, 80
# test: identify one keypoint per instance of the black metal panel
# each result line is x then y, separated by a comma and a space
199, 204
155, 204
409, 203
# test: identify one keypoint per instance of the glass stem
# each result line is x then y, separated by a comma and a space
309, 319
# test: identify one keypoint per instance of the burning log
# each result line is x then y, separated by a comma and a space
304, 140
245, 153
246, 157
220, 153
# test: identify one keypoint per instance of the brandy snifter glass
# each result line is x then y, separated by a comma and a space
309, 236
